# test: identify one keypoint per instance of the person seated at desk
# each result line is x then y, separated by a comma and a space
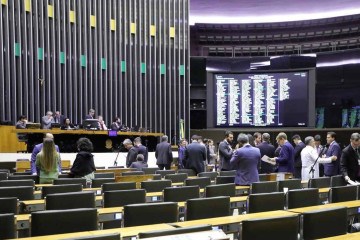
139, 164
21, 123
83, 166
116, 125
59, 118
67, 125
47, 120
102, 125
48, 161
91, 114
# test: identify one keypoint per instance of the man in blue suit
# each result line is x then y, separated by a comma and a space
333, 168
245, 161
286, 156
266, 148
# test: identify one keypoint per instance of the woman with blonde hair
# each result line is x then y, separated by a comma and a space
48, 161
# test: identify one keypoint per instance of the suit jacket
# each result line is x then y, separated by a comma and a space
195, 155
268, 150
245, 161
163, 153
83, 164
333, 168
139, 165
297, 154
286, 158
131, 156
46, 123
144, 151
88, 117
60, 120
36, 150
349, 163
225, 154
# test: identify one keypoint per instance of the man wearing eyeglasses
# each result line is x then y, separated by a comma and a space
350, 159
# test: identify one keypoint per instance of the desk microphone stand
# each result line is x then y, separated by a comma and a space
117, 155
312, 170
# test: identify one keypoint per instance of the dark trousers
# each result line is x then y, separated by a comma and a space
297, 172
162, 166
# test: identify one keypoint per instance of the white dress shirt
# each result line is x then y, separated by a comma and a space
308, 157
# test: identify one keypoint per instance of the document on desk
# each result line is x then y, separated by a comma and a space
267, 160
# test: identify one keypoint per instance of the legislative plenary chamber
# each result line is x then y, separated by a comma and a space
179, 119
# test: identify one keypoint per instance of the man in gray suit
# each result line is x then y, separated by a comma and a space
225, 151
195, 156
139, 164
47, 120
245, 161
163, 154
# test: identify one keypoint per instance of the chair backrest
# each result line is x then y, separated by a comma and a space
224, 179
343, 194
290, 184
177, 177
14, 183
70, 181
282, 228
200, 208
98, 182
220, 190
189, 172
306, 197
181, 194
115, 167
263, 202
150, 213
211, 175
3, 176
9, 205
132, 173
264, 187
104, 175
64, 176
7, 226
324, 223
231, 173
155, 185
22, 192
164, 172
109, 236
118, 186
120, 198
100, 167
159, 233
72, 200
337, 181
322, 182
65, 188
24, 177
150, 170
202, 182
22, 173
156, 177
63, 221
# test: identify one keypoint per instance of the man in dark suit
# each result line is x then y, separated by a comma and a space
350, 159
245, 161
286, 156
141, 149
195, 156
225, 151
320, 150
91, 114
333, 168
299, 145
266, 148
132, 152
163, 154
59, 118
139, 164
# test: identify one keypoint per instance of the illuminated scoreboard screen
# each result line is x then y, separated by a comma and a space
261, 99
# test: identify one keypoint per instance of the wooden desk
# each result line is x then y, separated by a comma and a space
126, 233
231, 224
350, 236
352, 206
